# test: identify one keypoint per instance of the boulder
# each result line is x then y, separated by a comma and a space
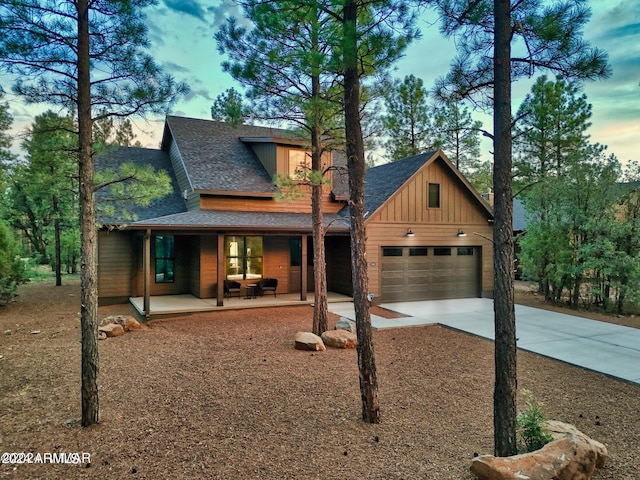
112, 329
308, 341
127, 322
346, 324
572, 456
339, 339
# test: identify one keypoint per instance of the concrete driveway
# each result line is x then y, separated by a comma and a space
603, 347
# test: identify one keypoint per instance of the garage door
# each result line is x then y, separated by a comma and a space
430, 273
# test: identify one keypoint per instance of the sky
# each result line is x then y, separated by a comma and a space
181, 35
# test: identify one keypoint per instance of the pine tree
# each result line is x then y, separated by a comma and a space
85, 57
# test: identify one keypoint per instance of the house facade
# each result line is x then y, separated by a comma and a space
428, 231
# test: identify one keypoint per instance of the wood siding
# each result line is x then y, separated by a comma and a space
115, 266
179, 168
245, 204
266, 153
409, 204
407, 209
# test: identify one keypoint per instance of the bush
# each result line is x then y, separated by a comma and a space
529, 423
11, 267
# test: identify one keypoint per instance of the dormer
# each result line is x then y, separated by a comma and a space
283, 156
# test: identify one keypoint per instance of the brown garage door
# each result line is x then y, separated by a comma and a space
430, 273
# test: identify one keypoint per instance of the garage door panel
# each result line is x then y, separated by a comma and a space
430, 277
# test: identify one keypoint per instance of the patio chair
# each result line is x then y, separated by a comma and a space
268, 285
231, 288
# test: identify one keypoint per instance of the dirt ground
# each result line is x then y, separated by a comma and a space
225, 396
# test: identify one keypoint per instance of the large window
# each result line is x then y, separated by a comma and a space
434, 195
244, 257
299, 164
164, 258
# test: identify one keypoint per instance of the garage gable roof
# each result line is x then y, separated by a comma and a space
383, 181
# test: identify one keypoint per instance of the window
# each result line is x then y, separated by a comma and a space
442, 251
392, 252
164, 258
299, 164
465, 251
434, 195
244, 257
418, 252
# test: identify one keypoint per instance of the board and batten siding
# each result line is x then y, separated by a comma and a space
408, 209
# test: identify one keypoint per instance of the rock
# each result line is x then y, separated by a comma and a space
572, 456
308, 341
346, 324
112, 329
130, 323
339, 339
127, 321
559, 430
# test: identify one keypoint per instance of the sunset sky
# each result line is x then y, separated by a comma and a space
181, 35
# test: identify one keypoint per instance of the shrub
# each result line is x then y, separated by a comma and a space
529, 423
11, 267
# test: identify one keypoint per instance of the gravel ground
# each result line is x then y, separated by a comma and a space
225, 396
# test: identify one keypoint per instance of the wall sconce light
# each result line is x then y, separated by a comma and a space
461, 233
410, 233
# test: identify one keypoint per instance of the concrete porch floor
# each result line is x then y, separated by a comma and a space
180, 304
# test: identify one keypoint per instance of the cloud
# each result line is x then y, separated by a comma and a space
226, 9
175, 68
189, 7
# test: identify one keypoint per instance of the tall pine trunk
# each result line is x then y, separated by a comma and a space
320, 308
504, 398
88, 232
356, 167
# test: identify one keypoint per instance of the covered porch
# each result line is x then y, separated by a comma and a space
166, 305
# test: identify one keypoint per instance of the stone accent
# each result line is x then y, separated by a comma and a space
339, 339
127, 322
116, 325
346, 324
112, 329
308, 341
571, 456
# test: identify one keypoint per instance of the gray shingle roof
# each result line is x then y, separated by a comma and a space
216, 159
383, 181
233, 219
159, 160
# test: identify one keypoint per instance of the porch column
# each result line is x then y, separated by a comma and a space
146, 267
221, 274
303, 269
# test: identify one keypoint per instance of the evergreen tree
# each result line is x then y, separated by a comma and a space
457, 134
86, 57
543, 36
549, 138
230, 108
47, 185
286, 61
374, 35
406, 121
6, 157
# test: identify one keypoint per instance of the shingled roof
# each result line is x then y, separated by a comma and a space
216, 159
159, 160
384, 180
198, 219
